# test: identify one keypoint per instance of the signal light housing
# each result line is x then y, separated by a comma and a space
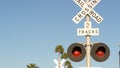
100, 52
76, 52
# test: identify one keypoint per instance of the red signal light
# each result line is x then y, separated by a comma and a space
100, 54
76, 53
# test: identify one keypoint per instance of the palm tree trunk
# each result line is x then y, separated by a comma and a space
59, 62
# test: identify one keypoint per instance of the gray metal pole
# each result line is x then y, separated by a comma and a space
88, 64
119, 59
119, 55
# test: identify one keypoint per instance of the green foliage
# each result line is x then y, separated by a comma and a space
59, 49
68, 64
64, 56
32, 66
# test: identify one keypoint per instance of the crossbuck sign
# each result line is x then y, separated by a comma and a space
61, 63
87, 8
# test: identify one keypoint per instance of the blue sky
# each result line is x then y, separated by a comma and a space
31, 29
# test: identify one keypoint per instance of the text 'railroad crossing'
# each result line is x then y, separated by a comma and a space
87, 8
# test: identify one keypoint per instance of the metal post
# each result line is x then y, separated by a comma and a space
88, 64
119, 59
119, 55
87, 51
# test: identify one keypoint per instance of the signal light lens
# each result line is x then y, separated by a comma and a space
76, 54
100, 54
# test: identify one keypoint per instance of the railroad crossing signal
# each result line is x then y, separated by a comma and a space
87, 8
99, 52
77, 51
61, 63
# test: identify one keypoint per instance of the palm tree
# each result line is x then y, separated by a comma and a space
68, 64
32, 66
64, 56
59, 49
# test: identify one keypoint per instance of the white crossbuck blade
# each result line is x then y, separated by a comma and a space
61, 63
87, 8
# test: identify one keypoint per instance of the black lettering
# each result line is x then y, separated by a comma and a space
89, 31
94, 1
87, 10
80, 16
81, 3
86, 32
91, 13
89, 6
76, 18
96, 31
79, 31
78, 1
99, 19
87, 25
94, 15
92, 4
82, 31
83, 12
92, 31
